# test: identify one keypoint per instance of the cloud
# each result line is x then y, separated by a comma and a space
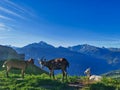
24, 11
10, 12
4, 17
15, 6
3, 37
4, 27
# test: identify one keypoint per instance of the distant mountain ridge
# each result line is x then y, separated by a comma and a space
112, 55
41, 44
100, 60
113, 74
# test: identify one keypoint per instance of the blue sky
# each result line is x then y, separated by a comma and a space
60, 22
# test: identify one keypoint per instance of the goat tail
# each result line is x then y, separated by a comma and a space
4, 64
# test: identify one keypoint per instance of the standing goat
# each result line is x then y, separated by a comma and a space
92, 77
56, 64
19, 64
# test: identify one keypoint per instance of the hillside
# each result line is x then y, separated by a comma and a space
100, 60
9, 53
31, 82
35, 78
43, 82
113, 74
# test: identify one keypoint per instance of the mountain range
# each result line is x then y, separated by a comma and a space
80, 57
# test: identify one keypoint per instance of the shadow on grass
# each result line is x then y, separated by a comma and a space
101, 86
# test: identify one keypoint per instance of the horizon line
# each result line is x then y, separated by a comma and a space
66, 46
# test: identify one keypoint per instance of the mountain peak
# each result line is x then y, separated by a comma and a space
83, 48
41, 44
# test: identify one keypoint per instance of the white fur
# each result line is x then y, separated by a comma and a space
3, 65
92, 77
40, 62
95, 78
87, 71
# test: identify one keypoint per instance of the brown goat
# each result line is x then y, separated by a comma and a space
56, 64
19, 64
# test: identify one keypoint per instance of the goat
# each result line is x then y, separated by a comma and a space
92, 77
55, 64
19, 64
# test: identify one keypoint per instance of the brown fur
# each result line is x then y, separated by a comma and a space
19, 64
56, 64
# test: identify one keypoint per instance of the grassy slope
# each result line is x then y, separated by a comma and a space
31, 82
105, 84
43, 82
36, 79
110, 81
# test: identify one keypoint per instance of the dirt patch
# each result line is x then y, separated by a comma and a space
77, 85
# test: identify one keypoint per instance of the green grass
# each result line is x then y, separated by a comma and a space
43, 82
31, 82
37, 79
107, 83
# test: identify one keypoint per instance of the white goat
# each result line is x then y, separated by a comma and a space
92, 77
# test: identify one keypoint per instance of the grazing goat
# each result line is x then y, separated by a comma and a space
92, 77
56, 64
19, 64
